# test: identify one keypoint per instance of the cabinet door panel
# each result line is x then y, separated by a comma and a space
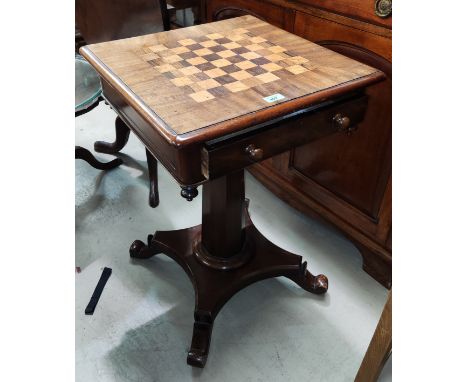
356, 168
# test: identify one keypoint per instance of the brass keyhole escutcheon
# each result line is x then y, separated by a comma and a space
383, 8
254, 153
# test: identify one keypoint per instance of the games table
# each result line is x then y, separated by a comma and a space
208, 101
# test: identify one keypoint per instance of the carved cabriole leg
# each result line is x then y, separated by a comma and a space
215, 276
82, 153
153, 178
122, 133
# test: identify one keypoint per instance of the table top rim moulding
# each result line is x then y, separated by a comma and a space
230, 124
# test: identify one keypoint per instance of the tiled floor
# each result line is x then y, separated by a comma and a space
142, 326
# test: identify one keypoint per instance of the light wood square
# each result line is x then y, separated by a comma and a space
299, 60
236, 37
217, 72
226, 53
250, 55
180, 49
245, 65
214, 36
201, 96
196, 87
274, 57
196, 60
182, 81
257, 39
240, 75
172, 59
296, 69
202, 52
220, 63
271, 67
267, 77
276, 49
254, 47
235, 87
190, 70
208, 84
231, 45
209, 43
164, 68
187, 41
157, 48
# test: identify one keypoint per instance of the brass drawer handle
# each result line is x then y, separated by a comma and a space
383, 8
253, 153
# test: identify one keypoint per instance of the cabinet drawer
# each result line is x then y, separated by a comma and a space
357, 9
231, 153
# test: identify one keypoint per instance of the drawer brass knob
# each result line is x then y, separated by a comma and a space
341, 123
254, 153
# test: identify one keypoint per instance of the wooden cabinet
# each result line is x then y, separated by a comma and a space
345, 179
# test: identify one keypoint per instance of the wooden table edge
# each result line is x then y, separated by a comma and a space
275, 111
134, 101
231, 125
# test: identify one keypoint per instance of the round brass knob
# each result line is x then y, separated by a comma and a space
383, 8
341, 123
254, 153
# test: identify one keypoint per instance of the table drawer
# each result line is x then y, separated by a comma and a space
234, 152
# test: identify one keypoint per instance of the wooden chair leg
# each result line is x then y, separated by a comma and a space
82, 153
153, 177
122, 133
379, 348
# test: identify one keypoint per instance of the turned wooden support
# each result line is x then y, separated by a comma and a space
223, 201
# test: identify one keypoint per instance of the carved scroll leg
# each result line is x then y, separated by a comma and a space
153, 177
306, 280
140, 250
82, 153
201, 338
122, 132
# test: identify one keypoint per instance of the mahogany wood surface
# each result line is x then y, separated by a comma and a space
379, 348
359, 9
223, 156
215, 286
107, 20
345, 179
322, 94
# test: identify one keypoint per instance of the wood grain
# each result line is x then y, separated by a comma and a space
379, 348
165, 87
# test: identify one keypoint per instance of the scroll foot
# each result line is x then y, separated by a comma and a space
201, 338
140, 250
307, 281
82, 153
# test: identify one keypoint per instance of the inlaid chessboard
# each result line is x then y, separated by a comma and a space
216, 64
218, 73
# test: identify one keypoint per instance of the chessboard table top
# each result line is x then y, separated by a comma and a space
216, 78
